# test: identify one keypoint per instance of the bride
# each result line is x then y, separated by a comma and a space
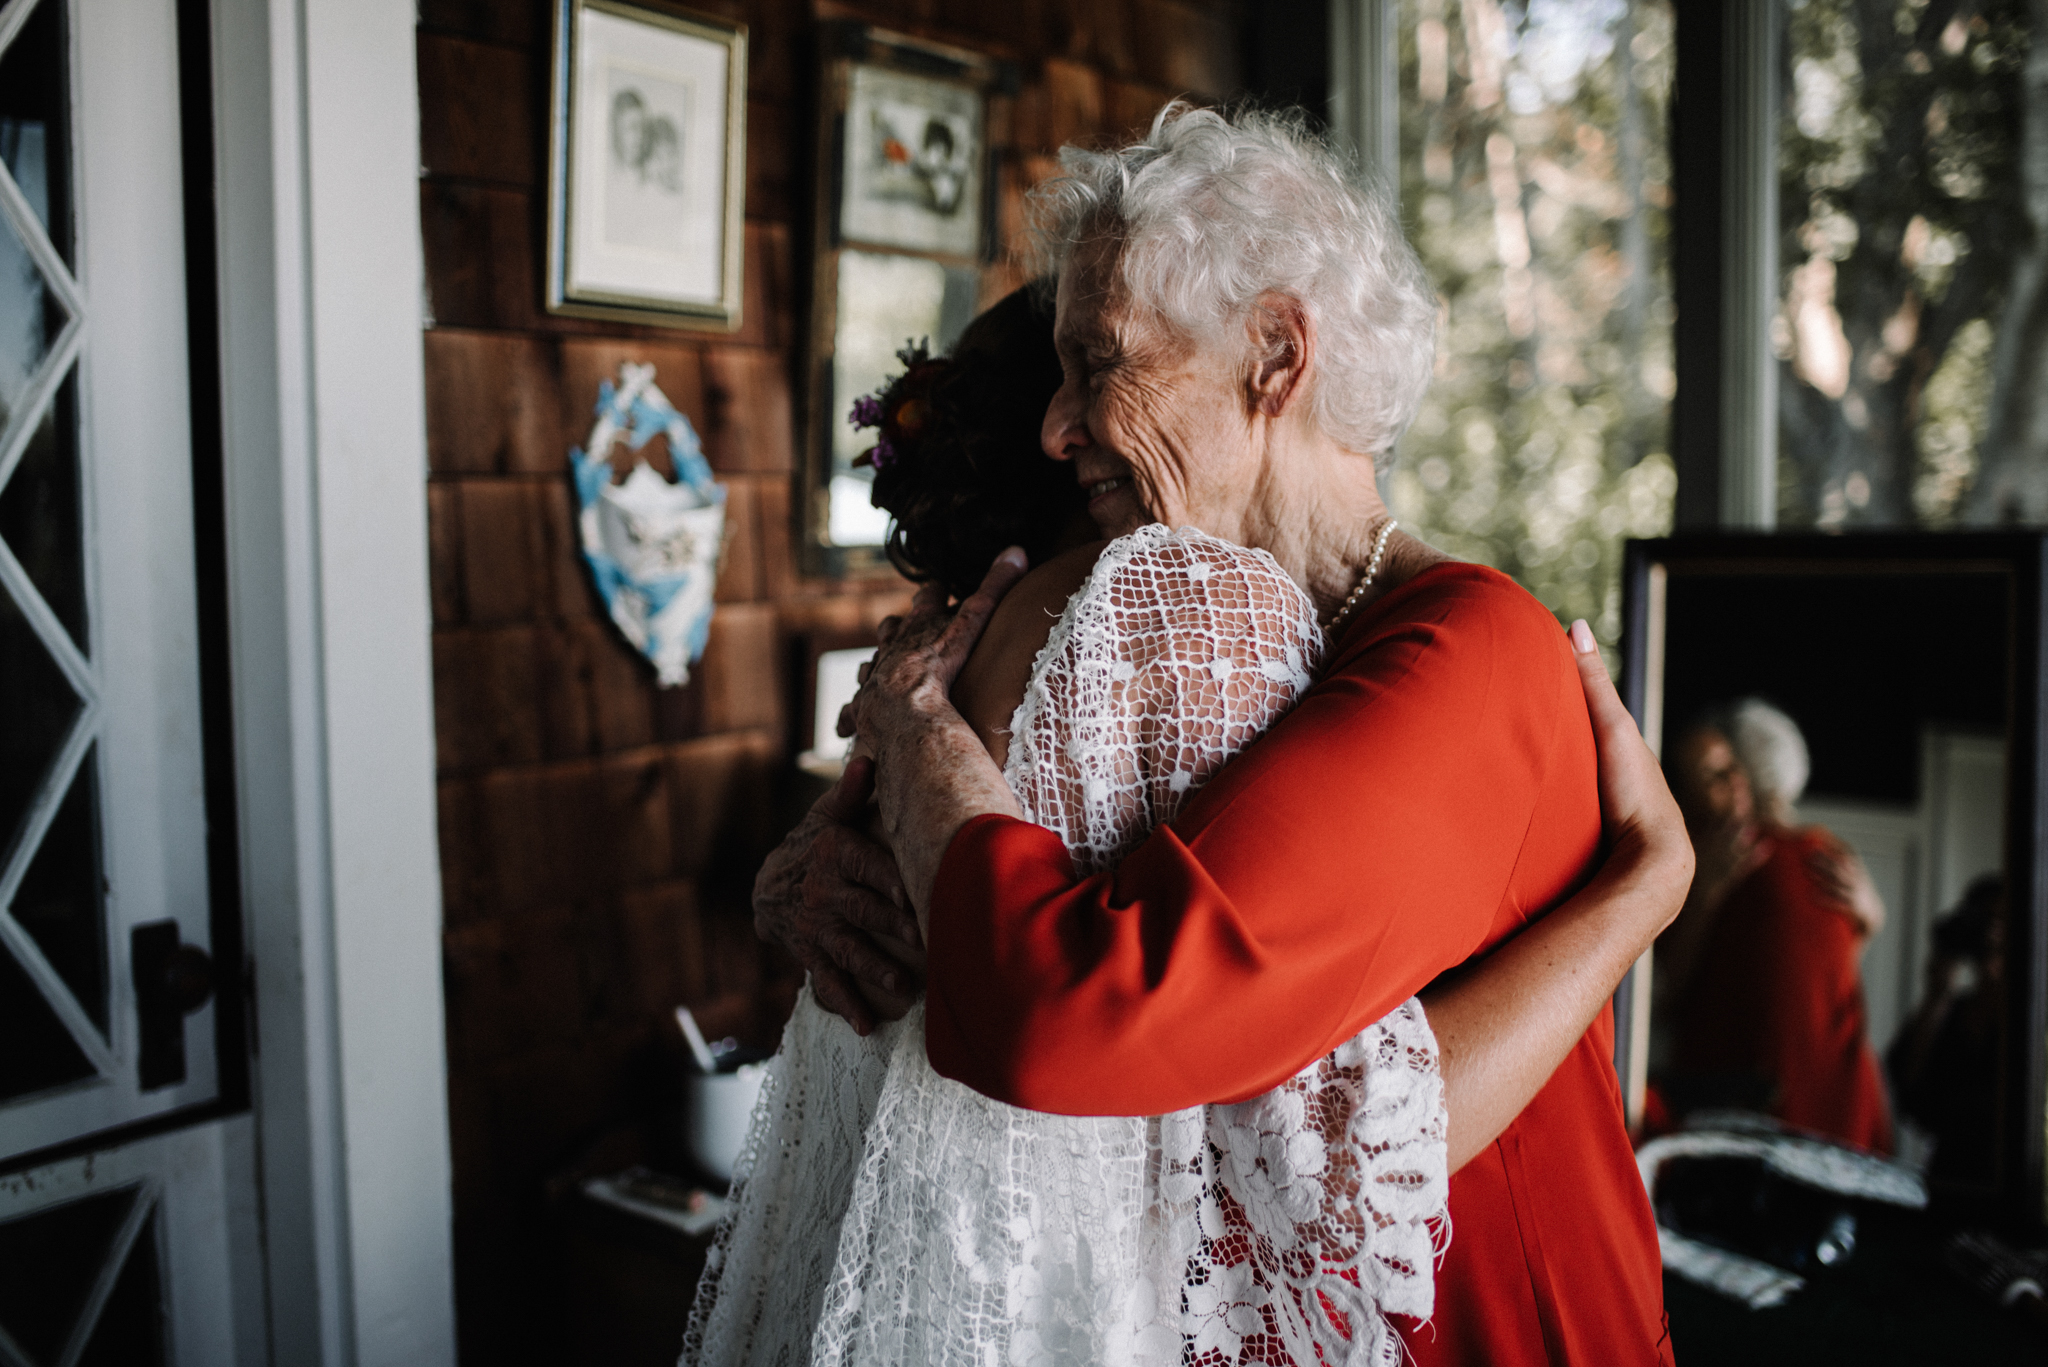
885, 1214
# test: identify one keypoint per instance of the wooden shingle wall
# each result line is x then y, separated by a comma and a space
598, 834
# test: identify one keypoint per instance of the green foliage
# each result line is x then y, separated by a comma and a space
1535, 181
1899, 196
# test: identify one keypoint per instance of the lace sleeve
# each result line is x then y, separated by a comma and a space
1284, 1228
1311, 1213
1179, 651
1308, 1214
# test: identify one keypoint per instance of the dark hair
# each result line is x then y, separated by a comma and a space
973, 479
1965, 931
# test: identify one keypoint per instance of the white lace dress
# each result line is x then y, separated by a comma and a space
883, 1214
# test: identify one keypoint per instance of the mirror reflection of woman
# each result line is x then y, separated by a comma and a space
1760, 976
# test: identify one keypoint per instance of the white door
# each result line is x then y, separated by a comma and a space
106, 1014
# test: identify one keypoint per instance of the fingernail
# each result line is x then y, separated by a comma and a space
1015, 555
1582, 638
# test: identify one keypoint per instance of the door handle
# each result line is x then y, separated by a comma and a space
172, 980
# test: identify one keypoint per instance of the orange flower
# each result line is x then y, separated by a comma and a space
910, 416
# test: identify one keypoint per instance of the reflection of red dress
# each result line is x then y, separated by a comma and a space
1433, 792
1778, 996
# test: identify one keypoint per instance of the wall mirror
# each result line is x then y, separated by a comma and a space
1879, 694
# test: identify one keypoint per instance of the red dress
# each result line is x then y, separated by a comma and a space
1430, 795
1778, 996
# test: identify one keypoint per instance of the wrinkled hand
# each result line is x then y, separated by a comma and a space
822, 895
1845, 881
921, 654
1637, 811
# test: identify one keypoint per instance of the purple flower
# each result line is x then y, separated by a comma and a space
882, 454
867, 412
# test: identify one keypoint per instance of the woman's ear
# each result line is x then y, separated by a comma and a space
1282, 350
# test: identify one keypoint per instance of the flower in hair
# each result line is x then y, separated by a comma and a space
900, 408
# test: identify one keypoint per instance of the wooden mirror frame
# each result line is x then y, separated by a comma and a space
2020, 1182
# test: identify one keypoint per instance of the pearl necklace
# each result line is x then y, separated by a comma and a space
1372, 571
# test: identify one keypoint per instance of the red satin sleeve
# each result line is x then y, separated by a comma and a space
1427, 796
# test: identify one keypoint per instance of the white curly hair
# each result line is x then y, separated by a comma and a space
1772, 749
1213, 210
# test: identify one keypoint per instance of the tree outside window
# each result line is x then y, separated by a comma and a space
1535, 182
1910, 323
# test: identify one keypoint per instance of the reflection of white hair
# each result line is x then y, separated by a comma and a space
1214, 210
1771, 748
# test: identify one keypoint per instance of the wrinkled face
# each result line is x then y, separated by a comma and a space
1157, 428
1710, 784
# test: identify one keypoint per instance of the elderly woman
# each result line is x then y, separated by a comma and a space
1767, 955
1242, 332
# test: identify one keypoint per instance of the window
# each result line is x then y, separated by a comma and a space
1903, 226
1535, 182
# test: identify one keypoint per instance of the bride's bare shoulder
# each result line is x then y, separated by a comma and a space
1047, 587
992, 683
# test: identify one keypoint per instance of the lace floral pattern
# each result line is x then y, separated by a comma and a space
1304, 1216
1177, 653
772, 1255
1279, 1229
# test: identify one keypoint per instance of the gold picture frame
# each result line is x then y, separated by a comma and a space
646, 165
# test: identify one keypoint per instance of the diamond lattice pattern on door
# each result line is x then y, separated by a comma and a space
53, 951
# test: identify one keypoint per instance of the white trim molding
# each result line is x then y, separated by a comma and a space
317, 144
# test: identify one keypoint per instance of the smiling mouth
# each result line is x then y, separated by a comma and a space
1104, 486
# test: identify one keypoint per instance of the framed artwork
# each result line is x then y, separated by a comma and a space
906, 190
913, 162
646, 165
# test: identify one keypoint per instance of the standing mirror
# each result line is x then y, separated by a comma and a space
1852, 727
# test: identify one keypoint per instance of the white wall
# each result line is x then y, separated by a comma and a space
1921, 858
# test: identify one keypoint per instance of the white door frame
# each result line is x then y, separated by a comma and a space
317, 148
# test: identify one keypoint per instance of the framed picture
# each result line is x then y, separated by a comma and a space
646, 165
905, 184
913, 162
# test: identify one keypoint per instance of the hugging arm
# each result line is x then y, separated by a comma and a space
1434, 788
826, 893
832, 895
1320, 881
1504, 1023
1503, 1026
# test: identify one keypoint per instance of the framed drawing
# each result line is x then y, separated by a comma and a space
646, 164
906, 194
